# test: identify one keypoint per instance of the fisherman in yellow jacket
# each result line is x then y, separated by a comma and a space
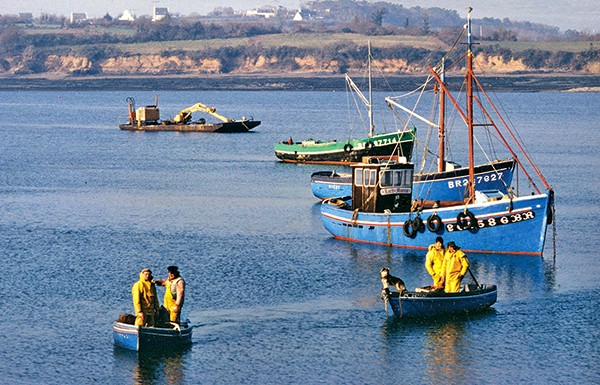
145, 300
455, 266
434, 261
174, 293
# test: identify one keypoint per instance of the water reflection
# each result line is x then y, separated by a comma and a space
441, 352
155, 367
439, 345
515, 276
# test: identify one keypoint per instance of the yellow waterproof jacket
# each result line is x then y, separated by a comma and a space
144, 296
434, 262
454, 268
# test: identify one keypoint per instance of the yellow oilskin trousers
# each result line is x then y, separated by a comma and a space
170, 299
454, 268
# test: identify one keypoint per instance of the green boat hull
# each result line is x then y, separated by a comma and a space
351, 151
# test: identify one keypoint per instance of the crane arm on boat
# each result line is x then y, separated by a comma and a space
185, 114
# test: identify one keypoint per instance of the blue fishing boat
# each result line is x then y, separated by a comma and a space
381, 209
427, 303
448, 185
140, 338
381, 212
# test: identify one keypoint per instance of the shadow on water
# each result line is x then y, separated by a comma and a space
156, 366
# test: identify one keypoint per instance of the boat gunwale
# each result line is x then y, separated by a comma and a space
438, 210
441, 295
285, 148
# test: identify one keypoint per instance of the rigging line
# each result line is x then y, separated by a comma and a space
503, 139
420, 88
428, 135
512, 125
380, 70
398, 147
531, 163
490, 162
348, 113
513, 133
357, 105
411, 112
452, 48
486, 120
452, 122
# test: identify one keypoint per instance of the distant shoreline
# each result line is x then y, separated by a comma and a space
304, 82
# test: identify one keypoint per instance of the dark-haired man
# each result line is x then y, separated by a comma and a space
174, 293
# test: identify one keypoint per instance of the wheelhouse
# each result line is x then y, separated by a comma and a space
382, 184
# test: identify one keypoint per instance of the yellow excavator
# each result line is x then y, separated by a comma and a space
184, 116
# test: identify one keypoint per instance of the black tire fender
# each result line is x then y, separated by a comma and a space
368, 145
417, 223
466, 220
348, 147
409, 229
434, 223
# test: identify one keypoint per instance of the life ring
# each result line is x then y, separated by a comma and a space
466, 220
368, 145
348, 147
434, 223
409, 229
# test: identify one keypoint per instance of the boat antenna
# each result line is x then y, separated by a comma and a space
371, 124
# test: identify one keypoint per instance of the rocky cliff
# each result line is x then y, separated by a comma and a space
140, 65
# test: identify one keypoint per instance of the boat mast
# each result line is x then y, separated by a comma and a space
442, 132
469, 79
371, 124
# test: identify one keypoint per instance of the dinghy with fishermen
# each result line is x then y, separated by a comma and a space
433, 301
165, 335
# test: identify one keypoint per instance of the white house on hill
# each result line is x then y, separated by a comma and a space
160, 13
77, 17
127, 16
267, 13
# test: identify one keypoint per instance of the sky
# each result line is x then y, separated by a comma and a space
582, 15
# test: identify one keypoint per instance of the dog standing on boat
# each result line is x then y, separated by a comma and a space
388, 280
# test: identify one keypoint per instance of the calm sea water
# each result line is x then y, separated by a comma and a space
84, 207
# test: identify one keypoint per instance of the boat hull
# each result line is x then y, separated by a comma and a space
225, 127
141, 338
434, 304
516, 226
445, 186
352, 151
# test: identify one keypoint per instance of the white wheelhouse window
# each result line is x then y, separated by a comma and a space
396, 178
365, 177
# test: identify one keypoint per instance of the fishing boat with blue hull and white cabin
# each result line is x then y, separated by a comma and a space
381, 210
141, 338
435, 303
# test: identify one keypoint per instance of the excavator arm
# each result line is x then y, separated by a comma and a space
185, 115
